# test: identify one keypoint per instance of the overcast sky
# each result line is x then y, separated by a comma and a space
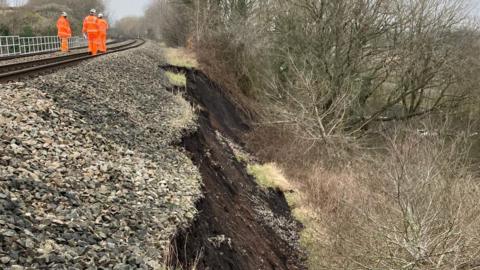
118, 8
123, 8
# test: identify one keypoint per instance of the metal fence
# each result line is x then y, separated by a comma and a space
16, 45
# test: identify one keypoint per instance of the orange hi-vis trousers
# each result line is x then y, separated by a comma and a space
102, 42
64, 44
93, 42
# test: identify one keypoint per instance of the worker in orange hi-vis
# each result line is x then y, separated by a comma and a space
90, 31
102, 33
64, 31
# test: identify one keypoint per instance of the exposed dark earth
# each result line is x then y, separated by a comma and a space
231, 232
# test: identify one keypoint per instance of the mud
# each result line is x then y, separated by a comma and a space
231, 232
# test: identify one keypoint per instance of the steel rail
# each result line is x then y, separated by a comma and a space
38, 66
5, 58
36, 62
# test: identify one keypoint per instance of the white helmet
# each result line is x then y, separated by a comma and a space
64, 14
93, 11
100, 15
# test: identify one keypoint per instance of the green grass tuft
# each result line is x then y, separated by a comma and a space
177, 79
269, 176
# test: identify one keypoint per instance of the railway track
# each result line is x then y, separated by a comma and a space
5, 58
34, 67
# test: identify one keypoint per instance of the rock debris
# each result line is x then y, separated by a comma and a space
90, 177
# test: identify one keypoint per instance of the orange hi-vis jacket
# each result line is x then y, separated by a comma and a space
90, 25
63, 26
102, 26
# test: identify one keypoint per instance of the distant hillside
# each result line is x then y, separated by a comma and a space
38, 17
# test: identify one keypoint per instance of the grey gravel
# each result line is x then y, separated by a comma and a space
90, 177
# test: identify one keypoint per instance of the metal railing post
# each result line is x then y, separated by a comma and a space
16, 45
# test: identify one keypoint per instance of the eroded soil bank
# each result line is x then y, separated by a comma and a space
240, 225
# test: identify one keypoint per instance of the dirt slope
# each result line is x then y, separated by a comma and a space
240, 226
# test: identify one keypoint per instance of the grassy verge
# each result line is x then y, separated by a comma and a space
181, 57
312, 229
177, 79
186, 114
271, 175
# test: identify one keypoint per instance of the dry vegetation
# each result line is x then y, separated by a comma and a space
270, 176
414, 207
372, 107
38, 17
412, 204
181, 57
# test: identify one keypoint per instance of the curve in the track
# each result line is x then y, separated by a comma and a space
16, 70
4, 58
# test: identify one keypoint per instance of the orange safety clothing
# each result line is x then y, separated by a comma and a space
63, 26
64, 44
90, 24
102, 25
102, 34
90, 27
64, 32
92, 43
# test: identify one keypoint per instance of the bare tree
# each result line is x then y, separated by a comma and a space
366, 61
330, 66
414, 207
131, 27
168, 20
326, 71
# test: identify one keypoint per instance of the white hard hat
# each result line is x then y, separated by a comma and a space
64, 14
93, 11
100, 15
